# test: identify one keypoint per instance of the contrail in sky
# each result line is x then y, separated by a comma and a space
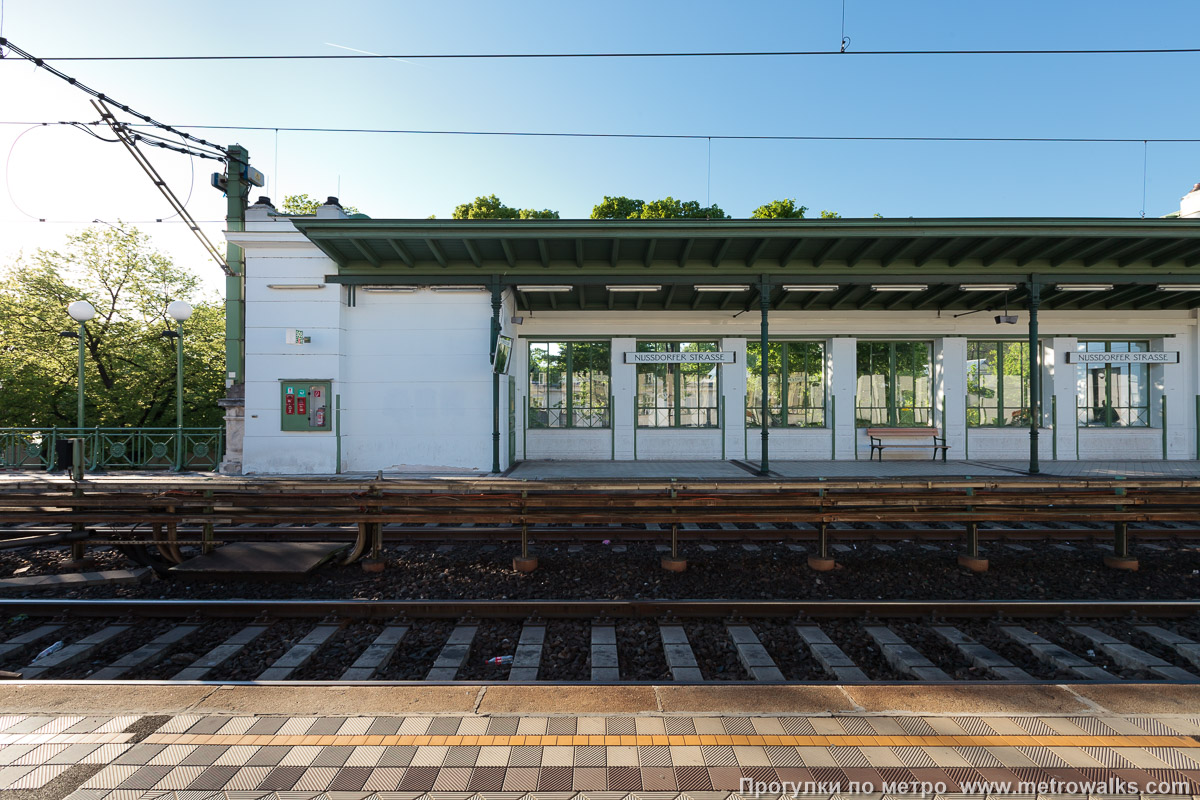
364, 52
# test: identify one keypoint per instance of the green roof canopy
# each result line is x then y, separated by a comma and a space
1134, 256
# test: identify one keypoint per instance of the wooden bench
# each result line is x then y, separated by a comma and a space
879, 434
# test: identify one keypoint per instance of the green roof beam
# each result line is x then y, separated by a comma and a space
685, 251
720, 254
824, 251
401, 252
543, 253
649, 259
934, 252
438, 255
790, 253
902, 250
472, 253
860, 252
614, 253
1149, 254
756, 252
367, 254
973, 251
1113, 255
1088, 246
508, 253
1180, 254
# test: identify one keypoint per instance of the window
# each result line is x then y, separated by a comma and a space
1113, 395
795, 384
895, 384
678, 395
997, 384
568, 384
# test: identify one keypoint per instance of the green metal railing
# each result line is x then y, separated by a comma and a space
115, 448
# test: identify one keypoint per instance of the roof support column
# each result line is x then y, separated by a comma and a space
496, 306
764, 292
1035, 374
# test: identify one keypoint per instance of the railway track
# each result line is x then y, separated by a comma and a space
604, 641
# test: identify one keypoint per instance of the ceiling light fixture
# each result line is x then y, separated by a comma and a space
295, 286
1084, 287
629, 287
899, 287
385, 289
1178, 287
811, 287
544, 287
721, 287
987, 287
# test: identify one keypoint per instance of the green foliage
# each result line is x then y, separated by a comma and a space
780, 209
301, 205
490, 207
666, 208
830, 215
129, 365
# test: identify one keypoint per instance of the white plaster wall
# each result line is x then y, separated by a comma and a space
842, 355
417, 388
679, 443
591, 444
992, 444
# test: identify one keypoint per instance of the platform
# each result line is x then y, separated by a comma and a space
736, 470
108, 742
260, 560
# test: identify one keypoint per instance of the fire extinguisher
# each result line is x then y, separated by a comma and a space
321, 417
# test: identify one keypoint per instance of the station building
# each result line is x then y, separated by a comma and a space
416, 345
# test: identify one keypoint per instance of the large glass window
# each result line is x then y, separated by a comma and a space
895, 384
1113, 395
568, 384
997, 384
795, 384
678, 395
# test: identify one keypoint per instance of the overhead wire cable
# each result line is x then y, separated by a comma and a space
41, 62
705, 136
696, 54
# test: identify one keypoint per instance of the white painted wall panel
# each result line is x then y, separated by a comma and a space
592, 445
653, 443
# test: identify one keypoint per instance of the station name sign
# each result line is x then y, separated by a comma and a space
723, 357
1122, 358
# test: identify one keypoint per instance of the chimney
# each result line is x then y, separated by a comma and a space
332, 209
1189, 205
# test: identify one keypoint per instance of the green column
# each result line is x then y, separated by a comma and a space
79, 398
235, 301
764, 291
496, 305
1035, 374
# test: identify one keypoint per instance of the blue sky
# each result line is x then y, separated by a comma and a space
64, 177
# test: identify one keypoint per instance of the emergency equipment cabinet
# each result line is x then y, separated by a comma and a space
304, 406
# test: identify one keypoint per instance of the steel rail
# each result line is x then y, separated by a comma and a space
611, 609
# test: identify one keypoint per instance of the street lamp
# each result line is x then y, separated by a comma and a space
81, 311
178, 310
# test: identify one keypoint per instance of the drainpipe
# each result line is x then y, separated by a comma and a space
235, 258
764, 292
1035, 374
496, 304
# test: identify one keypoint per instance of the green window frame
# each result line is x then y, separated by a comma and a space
1113, 395
569, 384
678, 395
997, 384
796, 386
895, 384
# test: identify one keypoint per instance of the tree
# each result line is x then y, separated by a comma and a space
129, 365
780, 209
830, 215
490, 207
301, 205
667, 208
